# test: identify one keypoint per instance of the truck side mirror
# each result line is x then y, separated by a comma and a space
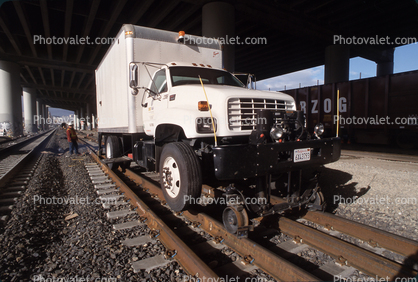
133, 76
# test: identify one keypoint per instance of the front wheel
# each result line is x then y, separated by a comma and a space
180, 173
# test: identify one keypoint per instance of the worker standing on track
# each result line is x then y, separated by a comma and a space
72, 139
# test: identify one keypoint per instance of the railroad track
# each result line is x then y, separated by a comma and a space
12, 156
15, 143
17, 166
361, 248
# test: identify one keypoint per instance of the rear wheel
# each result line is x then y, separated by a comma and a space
113, 150
180, 173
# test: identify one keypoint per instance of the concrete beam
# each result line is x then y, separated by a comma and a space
58, 88
385, 66
337, 63
48, 63
218, 21
10, 97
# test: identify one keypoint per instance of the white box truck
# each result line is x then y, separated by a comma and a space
165, 102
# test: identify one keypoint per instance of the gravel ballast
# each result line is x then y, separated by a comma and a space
375, 192
58, 231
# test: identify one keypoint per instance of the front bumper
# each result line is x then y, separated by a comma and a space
244, 161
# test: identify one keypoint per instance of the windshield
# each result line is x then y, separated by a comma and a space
190, 75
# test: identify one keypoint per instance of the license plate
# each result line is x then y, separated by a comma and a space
302, 155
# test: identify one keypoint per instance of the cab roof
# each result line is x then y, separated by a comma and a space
195, 64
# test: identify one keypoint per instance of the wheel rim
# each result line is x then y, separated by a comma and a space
233, 219
108, 152
171, 177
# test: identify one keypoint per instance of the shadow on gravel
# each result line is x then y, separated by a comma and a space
337, 188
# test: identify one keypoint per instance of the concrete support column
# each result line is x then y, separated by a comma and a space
93, 121
76, 117
82, 119
385, 65
218, 21
47, 120
10, 97
38, 114
41, 116
44, 117
88, 116
337, 63
29, 104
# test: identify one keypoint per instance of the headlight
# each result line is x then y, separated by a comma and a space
204, 125
319, 129
276, 132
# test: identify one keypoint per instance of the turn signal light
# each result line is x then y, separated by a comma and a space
203, 106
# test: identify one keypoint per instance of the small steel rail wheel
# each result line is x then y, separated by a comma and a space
234, 217
318, 203
113, 150
181, 176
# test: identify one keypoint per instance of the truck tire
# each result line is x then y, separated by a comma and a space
112, 150
180, 174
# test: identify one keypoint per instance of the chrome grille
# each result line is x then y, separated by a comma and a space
242, 113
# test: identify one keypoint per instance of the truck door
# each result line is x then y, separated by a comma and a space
156, 104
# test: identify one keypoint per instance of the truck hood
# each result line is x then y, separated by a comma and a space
220, 92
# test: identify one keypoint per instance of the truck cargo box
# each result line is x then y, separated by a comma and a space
118, 110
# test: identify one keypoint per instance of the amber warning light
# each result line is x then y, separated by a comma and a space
203, 106
181, 36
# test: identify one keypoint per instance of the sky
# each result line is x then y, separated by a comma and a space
405, 59
60, 112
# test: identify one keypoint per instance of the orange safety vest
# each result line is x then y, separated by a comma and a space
73, 135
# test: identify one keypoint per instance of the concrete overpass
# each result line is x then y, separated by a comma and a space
299, 35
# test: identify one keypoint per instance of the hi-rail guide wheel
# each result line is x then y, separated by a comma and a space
235, 218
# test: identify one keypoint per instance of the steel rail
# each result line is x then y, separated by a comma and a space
345, 252
185, 256
371, 235
263, 258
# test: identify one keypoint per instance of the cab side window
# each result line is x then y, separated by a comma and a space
160, 82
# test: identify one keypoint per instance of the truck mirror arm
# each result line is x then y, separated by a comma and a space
153, 94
